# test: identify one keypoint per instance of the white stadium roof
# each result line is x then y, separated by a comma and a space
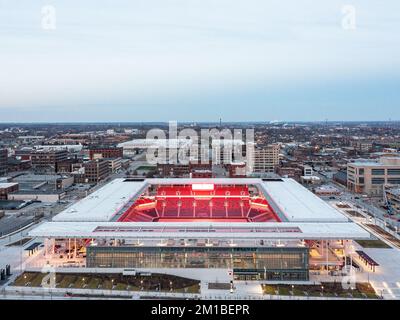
296, 206
102, 204
215, 230
300, 205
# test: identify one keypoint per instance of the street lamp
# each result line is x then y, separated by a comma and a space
322, 288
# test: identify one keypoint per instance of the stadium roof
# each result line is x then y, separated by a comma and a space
102, 204
298, 204
205, 230
303, 215
291, 201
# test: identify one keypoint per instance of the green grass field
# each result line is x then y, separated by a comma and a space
373, 244
111, 282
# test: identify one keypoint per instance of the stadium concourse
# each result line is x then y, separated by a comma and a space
249, 229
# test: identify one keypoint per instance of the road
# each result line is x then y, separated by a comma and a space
377, 213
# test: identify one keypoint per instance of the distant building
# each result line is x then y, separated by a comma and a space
30, 139
369, 177
68, 147
237, 170
6, 188
48, 160
15, 165
105, 152
41, 187
23, 153
290, 172
266, 159
310, 180
114, 164
393, 199
308, 171
3, 161
65, 166
132, 148
173, 170
96, 170
340, 177
327, 190
362, 145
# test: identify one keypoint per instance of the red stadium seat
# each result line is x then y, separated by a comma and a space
233, 203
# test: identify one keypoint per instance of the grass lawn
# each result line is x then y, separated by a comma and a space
362, 290
269, 289
373, 244
23, 279
93, 283
284, 291
66, 281
192, 289
37, 280
145, 168
79, 282
108, 282
120, 286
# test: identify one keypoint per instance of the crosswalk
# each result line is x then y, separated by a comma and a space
388, 290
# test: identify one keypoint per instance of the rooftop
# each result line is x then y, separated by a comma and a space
302, 215
382, 162
7, 185
201, 230
291, 201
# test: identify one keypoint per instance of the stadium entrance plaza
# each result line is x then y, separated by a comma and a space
385, 280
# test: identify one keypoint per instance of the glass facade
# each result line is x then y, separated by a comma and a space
378, 172
378, 180
394, 180
272, 262
394, 172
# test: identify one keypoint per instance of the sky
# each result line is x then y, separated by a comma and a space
199, 60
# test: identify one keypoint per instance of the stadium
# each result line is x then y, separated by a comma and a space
248, 229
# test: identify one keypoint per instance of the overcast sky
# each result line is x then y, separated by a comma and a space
199, 60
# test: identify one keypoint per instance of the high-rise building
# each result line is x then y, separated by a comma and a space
3, 161
266, 159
